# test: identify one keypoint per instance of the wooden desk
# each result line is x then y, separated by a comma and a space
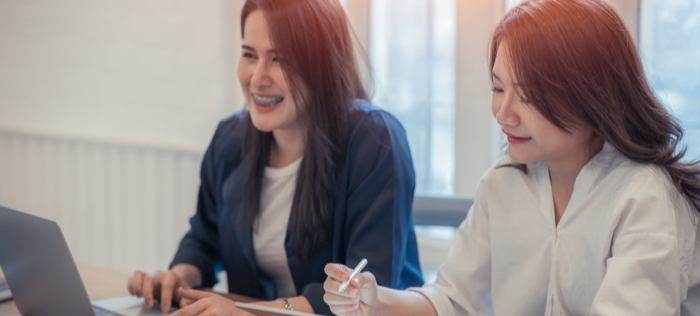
100, 283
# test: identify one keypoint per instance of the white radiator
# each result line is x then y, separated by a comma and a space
120, 206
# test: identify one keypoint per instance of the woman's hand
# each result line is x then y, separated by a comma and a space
358, 299
162, 285
207, 303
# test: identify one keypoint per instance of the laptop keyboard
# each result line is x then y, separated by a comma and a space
99, 311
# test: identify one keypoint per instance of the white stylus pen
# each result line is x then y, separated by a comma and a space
353, 274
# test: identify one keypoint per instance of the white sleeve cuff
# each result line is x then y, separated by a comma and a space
441, 302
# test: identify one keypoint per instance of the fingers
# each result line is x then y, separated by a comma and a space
335, 299
367, 285
193, 309
135, 283
363, 289
167, 288
161, 286
185, 302
364, 279
332, 286
193, 295
130, 284
336, 271
147, 291
344, 309
341, 302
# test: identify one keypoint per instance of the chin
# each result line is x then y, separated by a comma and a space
519, 157
263, 125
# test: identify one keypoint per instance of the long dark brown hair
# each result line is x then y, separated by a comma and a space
576, 63
315, 39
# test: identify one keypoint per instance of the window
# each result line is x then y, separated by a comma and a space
412, 54
670, 47
511, 3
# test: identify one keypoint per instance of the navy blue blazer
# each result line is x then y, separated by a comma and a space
372, 216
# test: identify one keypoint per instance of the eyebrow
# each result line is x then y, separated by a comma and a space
495, 76
269, 51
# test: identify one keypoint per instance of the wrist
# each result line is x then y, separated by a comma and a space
188, 274
381, 304
286, 304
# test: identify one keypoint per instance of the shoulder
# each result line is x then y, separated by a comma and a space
634, 179
651, 189
643, 191
368, 120
228, 137
232, 125
645, 200
376, 141
506, 173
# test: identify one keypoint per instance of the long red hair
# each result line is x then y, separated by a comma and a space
577, 64
314, 37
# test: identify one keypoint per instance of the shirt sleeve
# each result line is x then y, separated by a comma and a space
463, 282
200, 246
645, 274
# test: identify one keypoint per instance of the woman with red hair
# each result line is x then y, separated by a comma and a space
310, 172
591, 212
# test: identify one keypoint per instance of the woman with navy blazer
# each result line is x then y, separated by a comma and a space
308, 173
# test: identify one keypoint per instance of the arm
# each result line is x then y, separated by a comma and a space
188, 274
462, 286
397, 302
199, 247
299, 303
365, 297
194, 261
644, 274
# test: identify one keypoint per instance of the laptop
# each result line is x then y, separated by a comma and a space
5, 294
40, 270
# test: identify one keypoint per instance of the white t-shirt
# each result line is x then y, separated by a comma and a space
625, 245
271, 226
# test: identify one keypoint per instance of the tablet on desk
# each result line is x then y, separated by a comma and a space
276, 311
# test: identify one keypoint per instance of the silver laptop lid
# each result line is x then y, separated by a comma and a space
39, 267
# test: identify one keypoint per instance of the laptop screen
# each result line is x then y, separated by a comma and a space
39, 267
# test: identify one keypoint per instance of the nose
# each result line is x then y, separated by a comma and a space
261, 75
505, 110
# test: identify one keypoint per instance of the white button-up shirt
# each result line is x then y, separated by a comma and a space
625, 245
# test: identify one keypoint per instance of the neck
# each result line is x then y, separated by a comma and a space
287, 147
563, 173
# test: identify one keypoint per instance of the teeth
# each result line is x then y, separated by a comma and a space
267, 101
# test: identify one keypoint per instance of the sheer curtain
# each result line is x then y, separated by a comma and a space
670, 46
412, 55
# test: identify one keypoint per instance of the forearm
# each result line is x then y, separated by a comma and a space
299, 303
188, 273
401, 302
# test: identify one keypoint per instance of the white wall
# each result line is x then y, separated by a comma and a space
158, 72
477, 137
105, 109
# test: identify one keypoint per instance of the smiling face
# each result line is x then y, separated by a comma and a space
265, 86
530, 135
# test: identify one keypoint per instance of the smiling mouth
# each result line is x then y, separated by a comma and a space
516, 139
267, 101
